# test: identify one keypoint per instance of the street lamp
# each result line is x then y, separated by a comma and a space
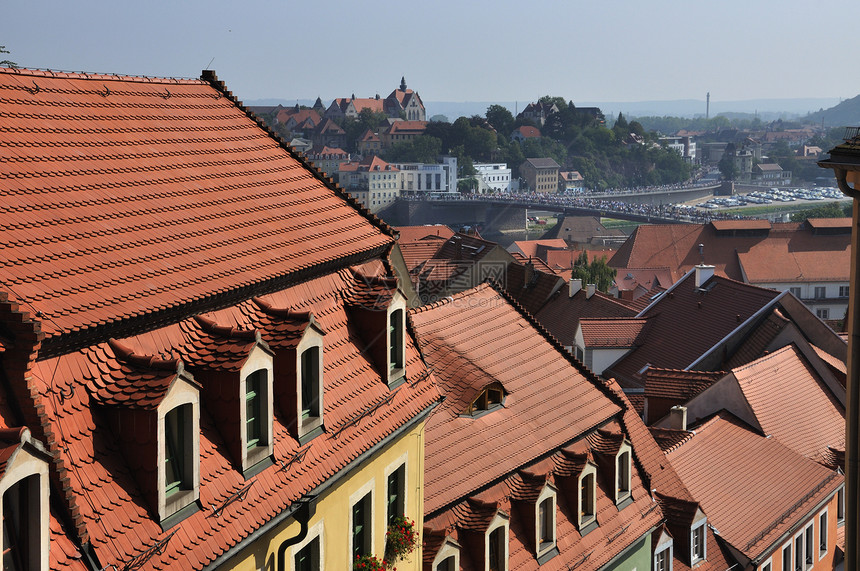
845, 162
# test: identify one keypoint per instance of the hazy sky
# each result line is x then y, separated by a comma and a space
455, 50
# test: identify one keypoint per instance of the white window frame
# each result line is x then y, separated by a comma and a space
181, 392
767, 565
499, 521
623, 494
25, 462
665, 544
259, 359
589, 470
315, 532
312, 337
840, 506
450, 548
548, 494
367, 488
395, 370
787, 549
824, 530
700, 523
809, 545
401, 461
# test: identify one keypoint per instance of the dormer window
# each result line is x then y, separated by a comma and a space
179, 449
254, 409
545, 525
698, 537
255, 390
622, 472
488, 399
309, 382
448, 556
24, 507
663, 552
587, 511
496, 544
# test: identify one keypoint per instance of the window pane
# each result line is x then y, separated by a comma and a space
308, 559
396, 482
361, 527
174, 433
310, 382
254, 408
396, 339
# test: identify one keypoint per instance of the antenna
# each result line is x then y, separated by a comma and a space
708, 106
209, 65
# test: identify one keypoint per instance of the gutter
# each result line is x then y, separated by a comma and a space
311, 496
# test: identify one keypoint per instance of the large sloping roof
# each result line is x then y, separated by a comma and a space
123, 196
792, 403
770, 489
753, 251
477, 338
562, 313
686, 322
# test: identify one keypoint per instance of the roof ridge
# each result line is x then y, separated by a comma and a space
56, 73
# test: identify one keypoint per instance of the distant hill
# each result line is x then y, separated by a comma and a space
846, 114
765, 109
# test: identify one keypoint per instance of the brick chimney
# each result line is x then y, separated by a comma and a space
678, 417
575, 286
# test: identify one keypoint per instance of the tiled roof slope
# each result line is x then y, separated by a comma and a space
530, 285
792, 403
359, 411
660, 477
616, 333
754, 505
129, 196
686, 322
416, 233
470, 341
784, 253
561, 314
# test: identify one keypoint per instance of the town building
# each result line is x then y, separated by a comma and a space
811, 259
493, 177
521, 134
372, 181
402, 103
418, 179
549, 478
771, 174
399, 131
209, 366
684, 146
538, 112
571, 182
541, 175
328, 160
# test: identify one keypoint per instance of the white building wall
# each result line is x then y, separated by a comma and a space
496, 177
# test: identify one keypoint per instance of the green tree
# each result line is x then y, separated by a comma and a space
597, 272
831, 210
501, 119
421, 149
6, 62
727, 165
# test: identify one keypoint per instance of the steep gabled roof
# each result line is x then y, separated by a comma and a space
792, 403
471, 340
773, 489
687, 322
414, 233
153, 195
561, 315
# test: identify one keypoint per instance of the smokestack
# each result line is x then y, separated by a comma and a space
708, 106
678, 417
575, 286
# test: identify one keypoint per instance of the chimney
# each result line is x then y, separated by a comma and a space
529, 270
589, 290
678, 417
575, 286
703, 274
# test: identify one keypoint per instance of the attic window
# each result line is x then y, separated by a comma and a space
622, 472
545, 525
587, 497
309, 382
490, 398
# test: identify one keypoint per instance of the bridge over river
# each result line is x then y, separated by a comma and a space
508, 211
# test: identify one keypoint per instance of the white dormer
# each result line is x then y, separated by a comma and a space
699, 538
496, 544
623, 471
545, 524
178, 482
24, 508
587, 498
255, 407
309, 364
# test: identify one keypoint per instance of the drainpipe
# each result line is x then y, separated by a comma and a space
303, 516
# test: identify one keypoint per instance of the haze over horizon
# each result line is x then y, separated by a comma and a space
583, 51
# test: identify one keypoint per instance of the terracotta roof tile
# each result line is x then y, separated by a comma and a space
792, 403
608, 332
780, 488
150, 200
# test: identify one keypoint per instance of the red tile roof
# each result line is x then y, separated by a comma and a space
792, 403
754, 505
477, 338
687, 322
529, 248
472, 340
153, 194
528, 131
156, 211
415, 233
608, 332
787, 252
678, 385
562, 314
